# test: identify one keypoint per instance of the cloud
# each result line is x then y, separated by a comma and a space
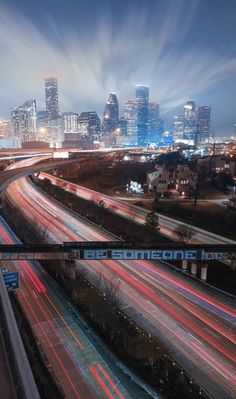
146, 48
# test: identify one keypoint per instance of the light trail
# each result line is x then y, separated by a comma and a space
203, 319
43, 314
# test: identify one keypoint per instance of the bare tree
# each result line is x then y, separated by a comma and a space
102, 204
198, 182
232, 203
152, 220
184, 232
110, 289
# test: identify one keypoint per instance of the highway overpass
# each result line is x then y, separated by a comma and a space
8, 176
117, 250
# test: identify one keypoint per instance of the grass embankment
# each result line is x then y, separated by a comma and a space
206, 215
102, 216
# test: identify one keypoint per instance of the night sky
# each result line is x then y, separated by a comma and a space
183, 49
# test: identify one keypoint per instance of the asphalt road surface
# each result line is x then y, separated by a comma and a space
196, 325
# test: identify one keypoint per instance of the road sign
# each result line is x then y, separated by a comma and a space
12, 280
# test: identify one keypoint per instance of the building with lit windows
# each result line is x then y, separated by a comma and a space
142, 100
178, 128
203, 124
190, 122
5, 129
123, 124
88, 136
24, 121
153, 123
70, 122
131, 116
42, 119
158, 180
20, 124
51, 97
111, 115
30, 107
89, 125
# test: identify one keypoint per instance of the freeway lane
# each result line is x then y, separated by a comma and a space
197, 326
76, 364
135, 213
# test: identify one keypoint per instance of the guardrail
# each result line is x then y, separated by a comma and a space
25, 375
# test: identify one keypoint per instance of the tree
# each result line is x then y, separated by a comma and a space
152, 220
110, 288
232, 203
194, 188
102, 204
223, 180
184, 232
198, 181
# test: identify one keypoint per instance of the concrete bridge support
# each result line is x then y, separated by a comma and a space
184, 265
204, 272
233, 262
193, 269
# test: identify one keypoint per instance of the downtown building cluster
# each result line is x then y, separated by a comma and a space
193, 126
138, 125
141, 124
50, 127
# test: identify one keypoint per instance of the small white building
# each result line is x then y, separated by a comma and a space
158, 180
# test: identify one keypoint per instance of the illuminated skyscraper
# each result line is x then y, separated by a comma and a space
123, 126
5, 129
20, 124
142, 100
51, 97
153, 123
111, 115
190, 121
24, 121
178, 128
30, 107
89, 125
203, 124
131, 116
70, 122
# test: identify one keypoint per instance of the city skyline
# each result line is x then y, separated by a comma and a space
137, 123
179, 62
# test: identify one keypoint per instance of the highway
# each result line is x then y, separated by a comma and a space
196, 325
76, 364
135, 213
27, 167
81, 370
